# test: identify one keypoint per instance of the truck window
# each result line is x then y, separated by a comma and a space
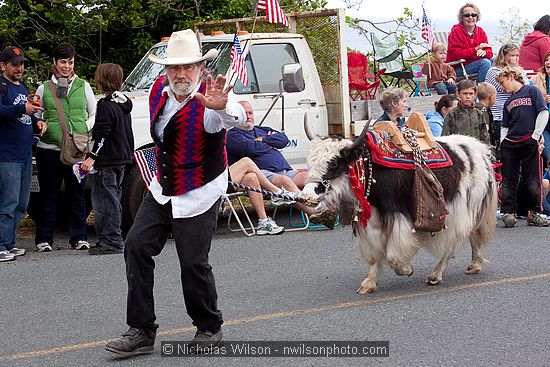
146, 72
263, 64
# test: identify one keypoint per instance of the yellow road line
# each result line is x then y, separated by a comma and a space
287, 314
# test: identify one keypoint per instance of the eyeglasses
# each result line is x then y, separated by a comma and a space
470, 15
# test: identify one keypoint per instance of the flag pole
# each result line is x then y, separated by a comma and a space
245, 45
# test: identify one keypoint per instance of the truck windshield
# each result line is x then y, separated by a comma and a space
263, 65
146, 72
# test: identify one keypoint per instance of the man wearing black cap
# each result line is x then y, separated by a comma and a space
16, 129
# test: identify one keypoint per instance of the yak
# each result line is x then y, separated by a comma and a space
470, 199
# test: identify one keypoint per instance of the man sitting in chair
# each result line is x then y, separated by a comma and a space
261, 144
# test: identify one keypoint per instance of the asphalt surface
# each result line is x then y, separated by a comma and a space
60, 308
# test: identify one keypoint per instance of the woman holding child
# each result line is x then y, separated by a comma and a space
469, 41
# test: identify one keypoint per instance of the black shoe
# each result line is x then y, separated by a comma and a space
205, 342
134, 341
98, 250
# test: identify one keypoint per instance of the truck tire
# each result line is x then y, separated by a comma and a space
133, 191
63, 209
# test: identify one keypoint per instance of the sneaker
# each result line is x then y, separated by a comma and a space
509, 220
268, 226
18, 251
134, 341
43, 247
6, 256
205, 342
326, 218
290, 197
82, 245
100, 250
537, 220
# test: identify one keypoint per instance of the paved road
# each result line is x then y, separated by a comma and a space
60, 308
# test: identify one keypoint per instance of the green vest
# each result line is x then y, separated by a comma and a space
75, 107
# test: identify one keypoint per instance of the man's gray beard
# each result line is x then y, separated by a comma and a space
184, 91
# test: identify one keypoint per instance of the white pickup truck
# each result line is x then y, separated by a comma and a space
297, 80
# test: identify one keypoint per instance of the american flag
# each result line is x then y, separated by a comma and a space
273, 11
147, 164
427, 33
237, 61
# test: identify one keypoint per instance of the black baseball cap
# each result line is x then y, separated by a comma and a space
12, 54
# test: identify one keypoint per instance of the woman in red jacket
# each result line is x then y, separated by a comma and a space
469, 41
535, 45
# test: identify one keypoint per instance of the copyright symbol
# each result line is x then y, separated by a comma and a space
167, 348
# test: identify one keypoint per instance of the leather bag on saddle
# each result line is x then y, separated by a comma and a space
427, 195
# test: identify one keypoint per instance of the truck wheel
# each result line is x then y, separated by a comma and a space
63, 208
133, 191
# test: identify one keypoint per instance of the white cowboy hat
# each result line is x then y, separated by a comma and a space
183, 48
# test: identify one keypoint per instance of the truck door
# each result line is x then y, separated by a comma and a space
264, 61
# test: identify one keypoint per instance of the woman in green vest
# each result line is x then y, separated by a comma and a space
79, 105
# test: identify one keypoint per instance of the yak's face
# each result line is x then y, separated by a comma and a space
328, 162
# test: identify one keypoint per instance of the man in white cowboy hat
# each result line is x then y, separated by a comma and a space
188, 123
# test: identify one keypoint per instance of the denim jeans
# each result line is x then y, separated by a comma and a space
481, 67
146, 239
15, 189
443, 88
51, 172
106, 195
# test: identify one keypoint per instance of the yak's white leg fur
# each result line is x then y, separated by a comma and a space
372, 247
402, 246
482, 235
436, 276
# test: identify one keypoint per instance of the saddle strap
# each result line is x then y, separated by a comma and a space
410, 136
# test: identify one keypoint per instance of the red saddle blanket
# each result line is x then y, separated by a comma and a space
385, 153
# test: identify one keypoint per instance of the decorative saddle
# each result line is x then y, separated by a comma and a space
389, 148
416, 121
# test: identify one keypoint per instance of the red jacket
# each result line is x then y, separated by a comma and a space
463, 46
534, 47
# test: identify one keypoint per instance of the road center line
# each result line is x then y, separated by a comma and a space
287, 314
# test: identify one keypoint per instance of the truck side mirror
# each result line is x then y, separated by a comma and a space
293, 78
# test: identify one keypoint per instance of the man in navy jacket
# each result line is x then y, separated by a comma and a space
262, 145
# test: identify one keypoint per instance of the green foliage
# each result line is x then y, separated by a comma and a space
513, 27
118, 31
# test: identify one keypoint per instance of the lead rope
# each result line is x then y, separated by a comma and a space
272, 194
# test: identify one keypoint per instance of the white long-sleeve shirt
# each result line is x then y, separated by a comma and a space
199, 200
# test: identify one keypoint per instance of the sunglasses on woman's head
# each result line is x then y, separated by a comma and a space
470, 15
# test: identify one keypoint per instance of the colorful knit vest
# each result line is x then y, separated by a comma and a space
188, 157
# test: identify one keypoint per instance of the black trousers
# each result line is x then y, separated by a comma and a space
520, 159
146, 239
